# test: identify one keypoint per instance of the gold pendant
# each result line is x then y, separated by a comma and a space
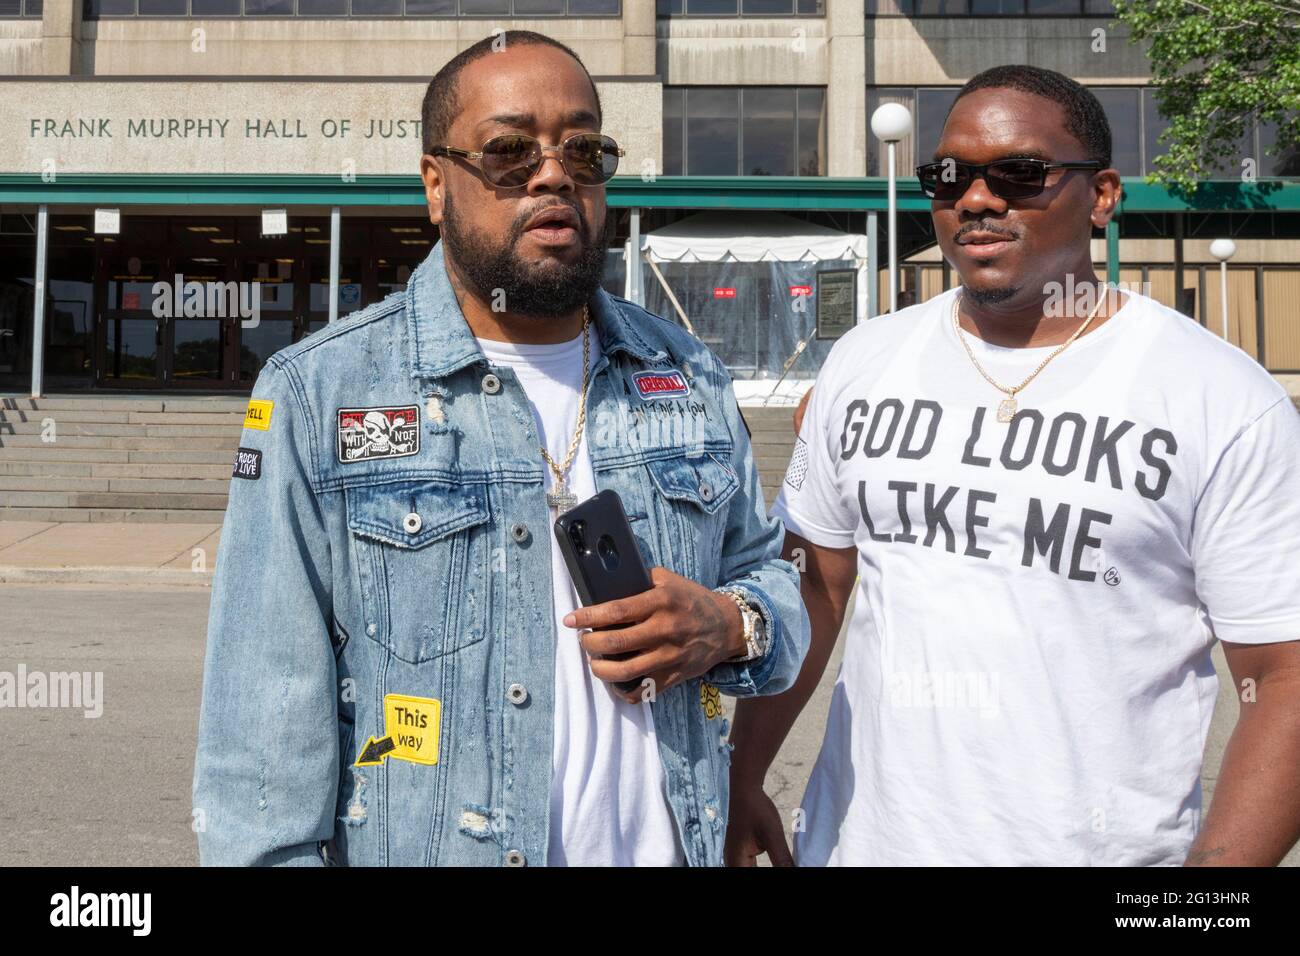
1007, 409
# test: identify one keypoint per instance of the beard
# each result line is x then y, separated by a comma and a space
544, 291
990, 296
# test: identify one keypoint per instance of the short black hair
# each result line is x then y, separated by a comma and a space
1085, 119
441, 104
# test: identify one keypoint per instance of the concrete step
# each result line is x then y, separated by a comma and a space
169, 485
134, 501
51, 483
63, 417
71, 469
181, 516
60, 428
80, 469
125, 403
60, 453
185, 456
162, 470
226, 440
225, 419
59, 402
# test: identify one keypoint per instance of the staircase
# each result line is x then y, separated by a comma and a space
772, 435
117, 458
168, 458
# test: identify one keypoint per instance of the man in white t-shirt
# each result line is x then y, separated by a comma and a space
1053, 501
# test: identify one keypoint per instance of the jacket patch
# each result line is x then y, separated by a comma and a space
710, 700
411, 726
667, 384
259, 414
248, 464
387, 432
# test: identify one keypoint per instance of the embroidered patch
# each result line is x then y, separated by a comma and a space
710, 700
368, 433
248, 464
798, 465
669, 384
259, 414
411, 728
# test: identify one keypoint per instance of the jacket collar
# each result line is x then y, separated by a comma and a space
441, 341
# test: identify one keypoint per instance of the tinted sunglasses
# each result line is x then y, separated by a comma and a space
512, 160
1006, 178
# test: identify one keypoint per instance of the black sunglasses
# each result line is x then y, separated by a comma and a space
510, 161
1006, 178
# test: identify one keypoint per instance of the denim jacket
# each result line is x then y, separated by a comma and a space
383, 581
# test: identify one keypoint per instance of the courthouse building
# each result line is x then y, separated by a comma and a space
145, 139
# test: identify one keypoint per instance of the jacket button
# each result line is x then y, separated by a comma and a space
519, 531
517, 694
514, 858
706, 491
412, 523
491, 384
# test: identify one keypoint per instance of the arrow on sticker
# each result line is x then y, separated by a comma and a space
376, 751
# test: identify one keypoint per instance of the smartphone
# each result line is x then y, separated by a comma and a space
602, 556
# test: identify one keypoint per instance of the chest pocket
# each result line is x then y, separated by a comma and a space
422, 551
694, 491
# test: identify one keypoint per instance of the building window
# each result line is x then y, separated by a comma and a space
990, 8
21, 9
357, 9
740, 8
744, 131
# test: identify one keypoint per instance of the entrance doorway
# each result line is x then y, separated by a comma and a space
202, 302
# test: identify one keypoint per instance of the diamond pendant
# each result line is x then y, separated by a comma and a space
1007, 409
560, 499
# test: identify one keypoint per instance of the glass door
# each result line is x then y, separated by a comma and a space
131, 336
202, 319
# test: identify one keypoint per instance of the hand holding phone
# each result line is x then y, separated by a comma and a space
602, 556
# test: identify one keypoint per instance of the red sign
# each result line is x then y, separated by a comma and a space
720, 293
669, 384
801, 290
130, 300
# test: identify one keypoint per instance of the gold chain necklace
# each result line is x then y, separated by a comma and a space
559, 497
1007, 407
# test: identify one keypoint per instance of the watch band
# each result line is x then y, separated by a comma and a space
751, 620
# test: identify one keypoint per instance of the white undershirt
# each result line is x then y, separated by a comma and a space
609, 805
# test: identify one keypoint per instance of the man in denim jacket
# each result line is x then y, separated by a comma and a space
397, 672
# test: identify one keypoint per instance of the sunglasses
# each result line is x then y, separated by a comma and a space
1006, 178
510, 161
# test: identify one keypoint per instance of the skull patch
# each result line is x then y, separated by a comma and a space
368, 433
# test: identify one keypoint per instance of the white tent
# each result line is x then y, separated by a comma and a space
735, 242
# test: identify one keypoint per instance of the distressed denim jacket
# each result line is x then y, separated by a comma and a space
378, 680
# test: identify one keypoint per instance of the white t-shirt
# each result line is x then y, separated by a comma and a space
1027, 674
609, 803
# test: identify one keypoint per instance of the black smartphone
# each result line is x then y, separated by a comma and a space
601, 554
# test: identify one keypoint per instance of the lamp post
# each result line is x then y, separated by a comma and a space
891, 122
1223, 250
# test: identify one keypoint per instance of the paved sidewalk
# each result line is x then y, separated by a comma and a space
78, 552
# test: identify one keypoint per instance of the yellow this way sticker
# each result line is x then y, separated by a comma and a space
411, 727
259, 414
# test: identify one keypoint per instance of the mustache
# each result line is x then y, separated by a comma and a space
991, 228
522, 220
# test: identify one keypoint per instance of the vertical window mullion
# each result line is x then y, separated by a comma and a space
740, 130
